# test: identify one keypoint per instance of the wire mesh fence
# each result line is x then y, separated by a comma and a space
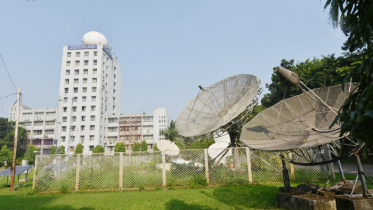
142, 170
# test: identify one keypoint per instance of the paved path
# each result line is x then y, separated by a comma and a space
349, 168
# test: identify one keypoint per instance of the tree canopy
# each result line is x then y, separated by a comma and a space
144, 146
79, 149
355, 20
136, 147
119, 147
98, 149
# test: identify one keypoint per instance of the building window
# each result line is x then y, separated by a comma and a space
67, 72
76, 72
65, 109
74, 118
68, 54
66, 81
73, 129
95, 53
77, 54
68, 63
63, 128
92, 127
93, 98
75, 99
94, 89
94, 71
75, 90
93, 108
82, 128
66, 90
94, 80
86, 54
93, 118
84, 90
76, 81
83, 108
84, 98
83, 118
64, 99
74, 109
63, 139
94, 62
84, 80
85, 71
86, 62
77, 63
64, 119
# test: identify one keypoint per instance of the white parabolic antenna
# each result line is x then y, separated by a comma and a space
217, 106
219, 151
298, 122
168, 147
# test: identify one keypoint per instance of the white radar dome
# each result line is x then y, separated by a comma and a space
94, 38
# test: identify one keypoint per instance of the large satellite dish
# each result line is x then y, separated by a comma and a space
219, 107
168, 147
300, 121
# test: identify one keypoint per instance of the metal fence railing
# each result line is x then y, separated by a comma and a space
142, 170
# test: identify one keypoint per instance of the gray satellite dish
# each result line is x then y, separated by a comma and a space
216, 109
168, 147
300, 123
219, 152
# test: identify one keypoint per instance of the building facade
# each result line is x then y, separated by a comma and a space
40, 125
90, 90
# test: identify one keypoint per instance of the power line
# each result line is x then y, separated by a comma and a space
8, 72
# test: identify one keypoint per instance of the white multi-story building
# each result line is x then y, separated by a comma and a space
40, 125
136, 128
90, 90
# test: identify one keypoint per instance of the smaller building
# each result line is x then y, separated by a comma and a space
136, 128
40, 125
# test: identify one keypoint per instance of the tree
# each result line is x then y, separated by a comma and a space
119, 147
31, 153
171, 134
355, 20
155, 148
136, 147
144, 146
98, 149
79, 149
61, 150
6, 155
7, 131
53, 150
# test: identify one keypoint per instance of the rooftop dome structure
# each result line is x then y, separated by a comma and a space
94, 38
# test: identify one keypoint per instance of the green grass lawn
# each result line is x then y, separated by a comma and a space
258, 196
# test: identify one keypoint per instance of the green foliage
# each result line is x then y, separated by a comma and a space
53, 150
7, 131
98, 149
79, 149
61, 150
355, 20
155, 148
318, 72
144, 146
136, 147
30, 155
5, 155
201, 144
119, 147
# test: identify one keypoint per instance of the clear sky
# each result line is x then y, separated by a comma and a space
166, 48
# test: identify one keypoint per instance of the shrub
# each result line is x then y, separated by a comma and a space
98, 149
30, 155
79, 149
144, 146
136, 147
61, 150
119, 147
155, 148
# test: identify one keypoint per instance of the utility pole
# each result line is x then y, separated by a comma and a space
13, 166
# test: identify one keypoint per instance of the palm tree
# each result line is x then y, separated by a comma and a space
171, 134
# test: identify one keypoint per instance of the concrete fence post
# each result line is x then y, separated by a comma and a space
207, 167
249, 172
77, 172
292, 172
35, 169
121, 170
164, 183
